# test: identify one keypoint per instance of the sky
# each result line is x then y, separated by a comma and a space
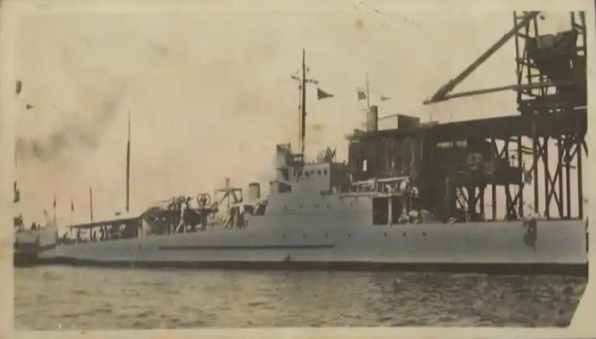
209, 91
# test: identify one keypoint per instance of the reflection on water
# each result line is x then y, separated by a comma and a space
54, 297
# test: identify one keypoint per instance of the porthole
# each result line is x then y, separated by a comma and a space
349, 235
403, 234
304, 236
326, 235
385, 234
327, 205
424, 234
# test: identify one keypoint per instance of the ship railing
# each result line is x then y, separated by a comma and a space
387, 186
393, 179
373, 194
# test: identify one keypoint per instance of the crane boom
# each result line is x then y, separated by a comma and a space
441, 94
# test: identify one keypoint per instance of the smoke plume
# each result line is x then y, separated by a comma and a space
73, 134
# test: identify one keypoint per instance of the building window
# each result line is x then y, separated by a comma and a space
325, 171
364, 165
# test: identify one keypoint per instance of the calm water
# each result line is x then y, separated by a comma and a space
64, 297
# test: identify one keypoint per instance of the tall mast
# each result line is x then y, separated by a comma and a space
128, 168
303, 104
302, 81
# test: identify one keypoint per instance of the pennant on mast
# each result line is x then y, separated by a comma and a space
323, 95
361, 95
364, 93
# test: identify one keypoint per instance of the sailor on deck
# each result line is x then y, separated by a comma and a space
531, 222
532, 215
414, 217
183, 216
403, 218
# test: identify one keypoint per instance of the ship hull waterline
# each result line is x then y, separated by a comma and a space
558, 247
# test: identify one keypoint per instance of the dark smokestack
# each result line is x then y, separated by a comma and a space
372, 119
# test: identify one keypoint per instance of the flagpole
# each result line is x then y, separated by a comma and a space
54, 208
128, 168
303, 113
367, 93
91, 203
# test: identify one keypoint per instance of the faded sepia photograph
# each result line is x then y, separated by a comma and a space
202, 165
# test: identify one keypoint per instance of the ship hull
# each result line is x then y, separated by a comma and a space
29, 244
579, 270
558, 247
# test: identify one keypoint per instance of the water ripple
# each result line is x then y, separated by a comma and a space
93, 298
